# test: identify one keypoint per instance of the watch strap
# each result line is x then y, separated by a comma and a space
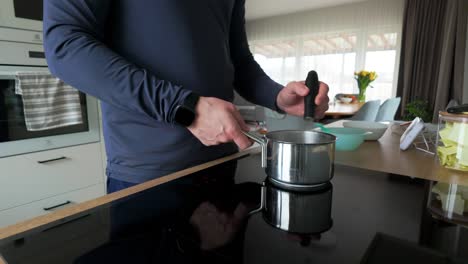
191, 101
185, 113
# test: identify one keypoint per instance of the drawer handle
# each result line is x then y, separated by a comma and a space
51, 160
57, 206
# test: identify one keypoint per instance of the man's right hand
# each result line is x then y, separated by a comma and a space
219, 122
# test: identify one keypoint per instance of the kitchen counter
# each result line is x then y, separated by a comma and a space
385, 155
208, 214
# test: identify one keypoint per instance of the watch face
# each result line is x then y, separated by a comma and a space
184, 116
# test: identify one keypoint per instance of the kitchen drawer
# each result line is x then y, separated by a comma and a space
32, 177
29, 211
83, 234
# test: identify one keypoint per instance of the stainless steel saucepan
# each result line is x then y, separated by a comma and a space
297, 159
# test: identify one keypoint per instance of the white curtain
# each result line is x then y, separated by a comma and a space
335, 42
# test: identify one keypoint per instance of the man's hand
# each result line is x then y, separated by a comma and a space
219, 122
217, 228
291, 99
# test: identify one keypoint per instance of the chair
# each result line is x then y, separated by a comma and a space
368, 112
388, 110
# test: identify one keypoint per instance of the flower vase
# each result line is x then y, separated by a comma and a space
362, 94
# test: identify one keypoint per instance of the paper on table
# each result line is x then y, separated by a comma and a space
459, 134
454, 153
462, 155
444, 136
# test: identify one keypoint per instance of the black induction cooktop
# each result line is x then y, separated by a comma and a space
232, 214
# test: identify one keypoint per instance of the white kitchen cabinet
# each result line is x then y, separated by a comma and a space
38, 208
34, 178
84, 234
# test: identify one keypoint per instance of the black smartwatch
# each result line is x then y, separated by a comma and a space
185, 114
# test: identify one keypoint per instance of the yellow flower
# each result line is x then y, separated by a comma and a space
365, 77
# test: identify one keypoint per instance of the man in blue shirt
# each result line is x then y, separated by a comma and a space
165, 72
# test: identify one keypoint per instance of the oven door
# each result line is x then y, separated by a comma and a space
15, 139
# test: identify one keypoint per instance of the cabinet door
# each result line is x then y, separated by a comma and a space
33, 177
74, 238
29, 211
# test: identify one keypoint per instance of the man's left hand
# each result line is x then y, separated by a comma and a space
291, 99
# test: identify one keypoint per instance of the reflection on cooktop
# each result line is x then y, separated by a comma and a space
232, 214
200, 218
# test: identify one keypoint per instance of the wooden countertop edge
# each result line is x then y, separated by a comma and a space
17, 229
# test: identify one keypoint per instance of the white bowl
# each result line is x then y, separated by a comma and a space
346, 100
377, 129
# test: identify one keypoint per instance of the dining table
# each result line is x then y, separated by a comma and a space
337, 110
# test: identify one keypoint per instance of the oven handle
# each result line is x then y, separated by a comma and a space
51, 160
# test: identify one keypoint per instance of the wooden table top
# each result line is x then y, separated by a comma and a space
338, 110
385, 156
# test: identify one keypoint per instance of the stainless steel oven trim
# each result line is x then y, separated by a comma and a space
26, 146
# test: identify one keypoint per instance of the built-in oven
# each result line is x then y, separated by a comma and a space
15, 138
13, 122
21, 14
21, 50
21, 33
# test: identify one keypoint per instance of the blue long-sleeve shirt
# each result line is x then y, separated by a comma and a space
141, 58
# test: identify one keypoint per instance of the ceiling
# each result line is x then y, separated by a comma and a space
265, 8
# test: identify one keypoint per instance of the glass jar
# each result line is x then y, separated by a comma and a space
452, 141
448, 202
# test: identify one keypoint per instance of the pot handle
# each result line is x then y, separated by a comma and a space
262, 202
263, 142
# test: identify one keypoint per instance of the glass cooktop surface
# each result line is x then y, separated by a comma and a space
231, 214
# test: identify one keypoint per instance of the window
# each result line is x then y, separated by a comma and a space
335, 57
334, 41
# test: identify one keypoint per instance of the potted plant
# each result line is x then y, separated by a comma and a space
418, 108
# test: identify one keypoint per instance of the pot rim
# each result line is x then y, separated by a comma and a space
331, 141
